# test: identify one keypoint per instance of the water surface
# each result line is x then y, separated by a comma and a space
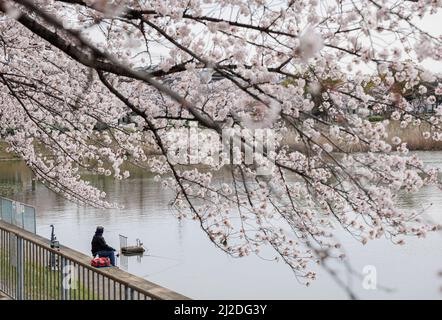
181, 258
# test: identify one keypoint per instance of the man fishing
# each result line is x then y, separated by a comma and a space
100, 247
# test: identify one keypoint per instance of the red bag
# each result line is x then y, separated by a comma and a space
100, 262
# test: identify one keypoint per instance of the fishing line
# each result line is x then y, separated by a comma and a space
161, 257
163, 270
155, 256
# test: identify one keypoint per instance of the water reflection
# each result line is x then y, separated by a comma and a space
180, 257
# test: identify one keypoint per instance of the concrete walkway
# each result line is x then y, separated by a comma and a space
3, 296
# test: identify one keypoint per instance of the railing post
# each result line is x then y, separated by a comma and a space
129, 292
20, 269
64, 280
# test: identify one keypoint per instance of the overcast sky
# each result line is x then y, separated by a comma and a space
430, 23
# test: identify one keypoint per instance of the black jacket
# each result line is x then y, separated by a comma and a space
99, 244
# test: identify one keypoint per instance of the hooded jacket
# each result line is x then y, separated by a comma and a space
98, 243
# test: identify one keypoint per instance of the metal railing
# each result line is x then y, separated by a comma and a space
18, 214
31, 270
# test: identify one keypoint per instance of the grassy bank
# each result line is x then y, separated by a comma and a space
412, 135
5, 155
10, 156
41, 282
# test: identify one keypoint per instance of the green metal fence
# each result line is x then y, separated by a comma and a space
18, 214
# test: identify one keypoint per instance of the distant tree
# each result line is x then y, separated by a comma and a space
71, 70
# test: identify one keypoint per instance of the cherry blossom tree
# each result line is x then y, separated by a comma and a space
88, 85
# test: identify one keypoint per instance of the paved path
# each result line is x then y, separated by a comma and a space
3, 297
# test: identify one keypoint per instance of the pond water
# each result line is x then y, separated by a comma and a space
181, 258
